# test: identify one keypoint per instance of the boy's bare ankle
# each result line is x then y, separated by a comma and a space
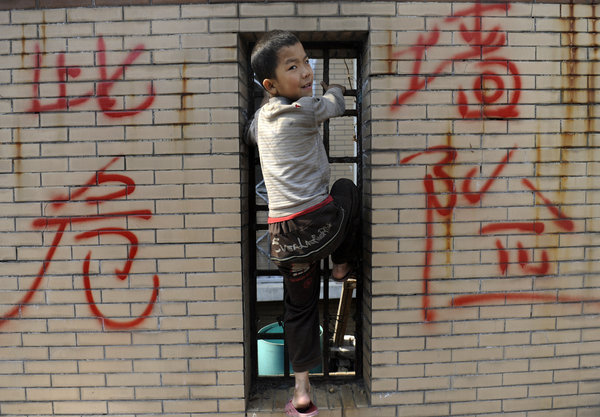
301, 401
301, 391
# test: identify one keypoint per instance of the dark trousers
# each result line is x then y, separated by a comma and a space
302, 279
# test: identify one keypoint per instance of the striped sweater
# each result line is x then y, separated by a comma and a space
292, 155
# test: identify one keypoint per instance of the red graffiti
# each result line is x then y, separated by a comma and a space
529, 227
491, 96
61, 224
432, 205
465, 300
474, 197
442, 199
532, 227
103, 86
561, 220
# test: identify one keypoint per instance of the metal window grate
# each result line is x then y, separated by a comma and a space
340, 304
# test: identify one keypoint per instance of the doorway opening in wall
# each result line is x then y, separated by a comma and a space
340, 306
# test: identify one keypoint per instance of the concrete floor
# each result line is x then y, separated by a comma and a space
332, 399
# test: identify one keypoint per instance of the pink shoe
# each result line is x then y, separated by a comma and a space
291, 411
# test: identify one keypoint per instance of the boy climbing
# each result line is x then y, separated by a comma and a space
306, 221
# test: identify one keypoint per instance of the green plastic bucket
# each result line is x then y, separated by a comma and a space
270, 352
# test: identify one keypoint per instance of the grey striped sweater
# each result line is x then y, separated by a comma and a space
292, 155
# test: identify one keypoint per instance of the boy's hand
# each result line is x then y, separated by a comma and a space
327, 87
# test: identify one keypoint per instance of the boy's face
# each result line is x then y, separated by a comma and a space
293, 74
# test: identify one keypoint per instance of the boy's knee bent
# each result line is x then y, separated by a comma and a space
343, 184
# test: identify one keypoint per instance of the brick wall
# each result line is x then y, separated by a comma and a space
123, 222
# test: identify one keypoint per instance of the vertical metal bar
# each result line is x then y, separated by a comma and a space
286, 354
325, 269
358, 337
326, 79
252, 266
252, 238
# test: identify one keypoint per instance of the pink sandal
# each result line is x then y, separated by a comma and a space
291, 411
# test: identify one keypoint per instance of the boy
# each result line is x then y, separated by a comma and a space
306, 222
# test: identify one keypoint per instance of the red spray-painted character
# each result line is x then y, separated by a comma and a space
61, 224
104, 85
560, 220
492, 97
450, 193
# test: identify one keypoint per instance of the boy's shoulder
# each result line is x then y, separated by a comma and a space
329, 105
281, 105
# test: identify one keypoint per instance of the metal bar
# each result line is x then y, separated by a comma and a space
326, 79
325, 274
359, 168
325, 269
286, 353
253, 328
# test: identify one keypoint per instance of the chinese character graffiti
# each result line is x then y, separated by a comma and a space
514, 246
496, 87
443, 197
103, 86
62, 223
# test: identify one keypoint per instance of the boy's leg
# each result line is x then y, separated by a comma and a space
301, 397
302, 283
345, 194
301, 321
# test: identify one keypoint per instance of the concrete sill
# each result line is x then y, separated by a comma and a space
334, 400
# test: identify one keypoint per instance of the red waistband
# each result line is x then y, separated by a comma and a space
328, 200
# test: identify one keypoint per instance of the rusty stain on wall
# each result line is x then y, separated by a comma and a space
17, 165
390, 53
43, 30
569, 99
184, 105
591, 87
184, 95
17, 162
570, 79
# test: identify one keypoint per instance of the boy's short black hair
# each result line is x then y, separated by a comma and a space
264, 54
